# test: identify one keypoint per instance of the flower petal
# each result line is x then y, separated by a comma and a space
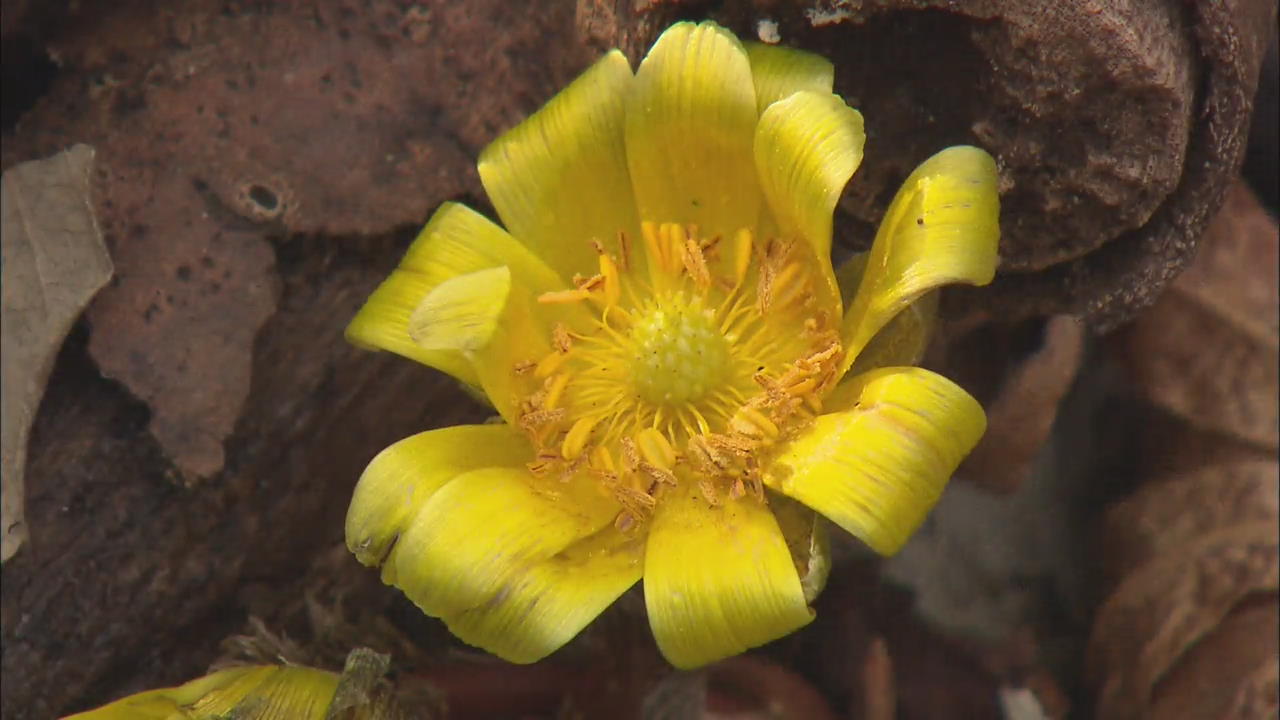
540, 610
718, 580
806, 534
400, 479
480, 532
878, 469
456, 241
807, 146
778, 71
269, 692
942, 227
560, 179
689, 126
462, 312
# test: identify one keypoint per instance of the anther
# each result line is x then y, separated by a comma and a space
624, 248
563, 296
576, 439
555, 390
743, 246
652, 243
612, 280
561, 338
548, 365
696, 264
602, 459
655, 449
753, 423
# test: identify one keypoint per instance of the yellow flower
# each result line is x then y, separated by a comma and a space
661, 330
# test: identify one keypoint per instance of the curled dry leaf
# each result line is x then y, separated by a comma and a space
1024, 408
1189, 630
1172, 602
1177, 510
1208, 350
53, 264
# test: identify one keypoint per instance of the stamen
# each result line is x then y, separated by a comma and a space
753, 423
612, 281
696, 264
708, 491
561, 338
655, 449
563, 296
576, 439
624, 248
788, 285
550, 364
555, 389
673, 382
652, 245
743, 243
603, 459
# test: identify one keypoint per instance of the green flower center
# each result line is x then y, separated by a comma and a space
679, 354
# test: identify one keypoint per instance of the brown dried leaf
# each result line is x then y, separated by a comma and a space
1024, 409
178, 327
1208, 350
53, 264
1232, 673
1166, 515
1172, 602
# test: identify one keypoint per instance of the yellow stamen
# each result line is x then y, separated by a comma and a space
753, 423
743, 244
550, 364
563, 296
576, 439
555, 389
696, 264
612, 281
655, 449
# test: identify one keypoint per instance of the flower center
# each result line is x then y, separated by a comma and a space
679, 353
700, 354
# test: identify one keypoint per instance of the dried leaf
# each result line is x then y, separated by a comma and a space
53, 264
177, 328
1165, 515
1024, 409
1231, 674
1208, 350
878, 695
1171, 603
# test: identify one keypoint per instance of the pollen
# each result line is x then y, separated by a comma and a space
705, 352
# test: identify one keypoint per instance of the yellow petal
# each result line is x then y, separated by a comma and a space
876, 470
902, 341
455, 242
401, 478
543, 608
272, 693
806, 534
265, 692
718, 580
560, 179
482, 531
462, 312
689, 127
942, 227
807, 146
778, 71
